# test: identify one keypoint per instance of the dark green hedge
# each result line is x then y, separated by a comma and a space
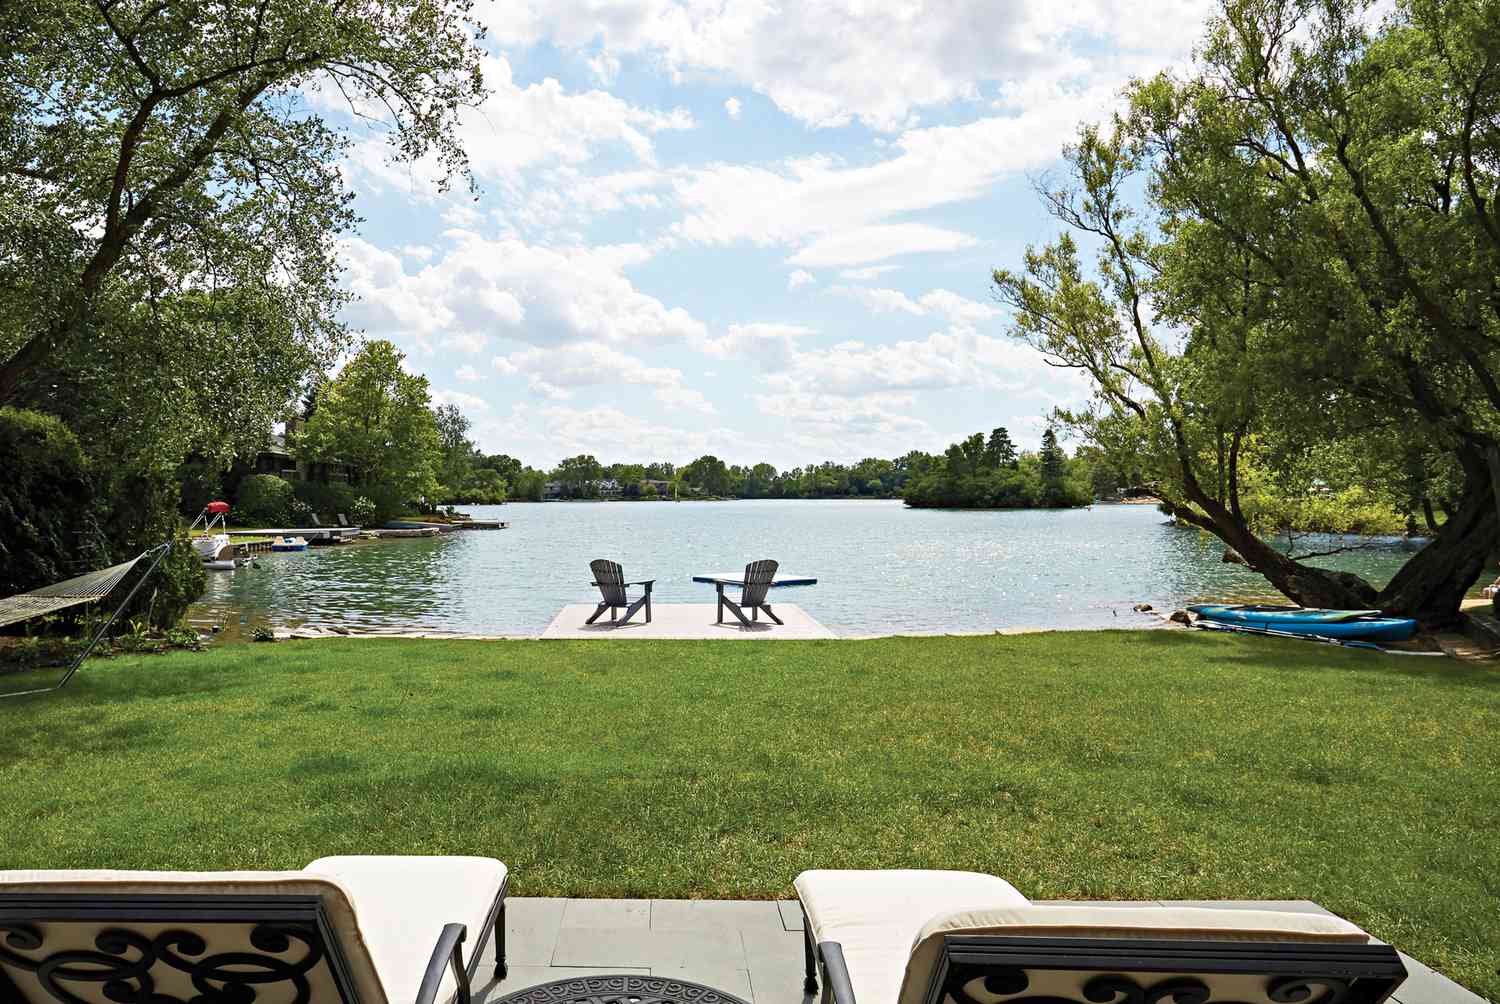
49, 525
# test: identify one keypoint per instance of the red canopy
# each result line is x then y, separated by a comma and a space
218, 507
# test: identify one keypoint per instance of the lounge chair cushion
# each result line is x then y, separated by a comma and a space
403, 903
337, 904
874, 915
1080, 921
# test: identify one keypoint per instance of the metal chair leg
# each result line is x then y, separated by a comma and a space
810, 962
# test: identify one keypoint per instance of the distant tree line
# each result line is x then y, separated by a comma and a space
990, 473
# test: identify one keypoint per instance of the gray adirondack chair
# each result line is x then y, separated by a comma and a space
758, 578
610, 579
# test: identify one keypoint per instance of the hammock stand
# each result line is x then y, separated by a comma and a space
85, 588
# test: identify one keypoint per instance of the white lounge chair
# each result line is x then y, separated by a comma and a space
344, 930
943, 937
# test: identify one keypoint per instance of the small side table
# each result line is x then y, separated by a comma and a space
623, 989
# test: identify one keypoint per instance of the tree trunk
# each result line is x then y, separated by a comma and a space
1431, 586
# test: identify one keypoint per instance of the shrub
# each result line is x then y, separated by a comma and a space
362, 511
49, 525
144, 515
327, 500
264, 499
299, 512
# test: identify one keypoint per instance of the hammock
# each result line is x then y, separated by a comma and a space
70, 593
48, 599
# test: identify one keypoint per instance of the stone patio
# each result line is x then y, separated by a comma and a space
685, 620
752, 949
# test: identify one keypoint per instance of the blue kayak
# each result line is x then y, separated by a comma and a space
1368, 625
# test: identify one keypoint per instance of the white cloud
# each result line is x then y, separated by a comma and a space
881, 301
516, 128
471, 342
955, 358
467, 403
480, 288
867, 273
556, 373
468, 374
421, 252
826, 62
842, 427
547, 433
956, 309
732, 107
771, 346
836, 214
800, 278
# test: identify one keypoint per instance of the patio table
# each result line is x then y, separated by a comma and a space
623, 989
781, 579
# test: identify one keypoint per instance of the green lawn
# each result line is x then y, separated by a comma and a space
1120, 765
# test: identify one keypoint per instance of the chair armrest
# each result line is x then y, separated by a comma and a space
449, 951
643, 582
835, 974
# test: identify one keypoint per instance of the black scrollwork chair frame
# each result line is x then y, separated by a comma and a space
1295, 972
123, 960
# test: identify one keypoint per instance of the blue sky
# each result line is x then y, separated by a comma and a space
732, 227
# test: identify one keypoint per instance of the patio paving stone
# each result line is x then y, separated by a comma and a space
751, 949
607, 913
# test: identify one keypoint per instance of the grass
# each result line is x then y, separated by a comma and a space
1118, 765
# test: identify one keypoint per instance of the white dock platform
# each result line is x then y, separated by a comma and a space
687, 621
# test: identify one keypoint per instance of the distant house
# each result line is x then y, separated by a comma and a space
276, 458
609, 488
663, 488
552, 490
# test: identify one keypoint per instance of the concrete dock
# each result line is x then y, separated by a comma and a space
685, 620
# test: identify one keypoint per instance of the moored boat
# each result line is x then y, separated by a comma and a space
289, 544
1365, 625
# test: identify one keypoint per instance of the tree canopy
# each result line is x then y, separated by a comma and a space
1315, 268
377, 418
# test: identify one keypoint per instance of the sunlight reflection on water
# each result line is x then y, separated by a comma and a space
882, 568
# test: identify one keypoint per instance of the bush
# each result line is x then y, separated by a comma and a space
264, 499
49, 524
145, 515
362, 511
299, 512
327, 500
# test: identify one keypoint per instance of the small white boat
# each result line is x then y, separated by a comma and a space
289, 544
214, 548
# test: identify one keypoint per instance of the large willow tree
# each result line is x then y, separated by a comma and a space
1317, 271
170, 195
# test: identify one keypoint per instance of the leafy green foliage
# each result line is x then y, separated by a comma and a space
154, 147
377, 418
362, 511
1313, 271
264, 500
49, 523
327, 500
980, 474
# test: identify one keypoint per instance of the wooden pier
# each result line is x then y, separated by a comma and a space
312, 534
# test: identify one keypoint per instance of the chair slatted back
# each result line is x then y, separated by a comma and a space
610, 578
758, 577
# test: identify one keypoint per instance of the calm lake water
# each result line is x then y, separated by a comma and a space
882, 568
